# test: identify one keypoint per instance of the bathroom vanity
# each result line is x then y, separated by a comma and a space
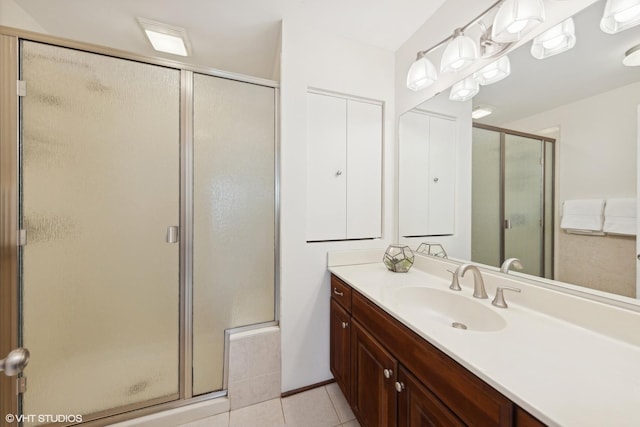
399, 361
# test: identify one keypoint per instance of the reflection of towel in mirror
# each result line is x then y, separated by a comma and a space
583, 215
620, 217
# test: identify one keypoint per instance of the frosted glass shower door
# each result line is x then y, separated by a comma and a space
486, 238
234, 217
99, 187
523, 202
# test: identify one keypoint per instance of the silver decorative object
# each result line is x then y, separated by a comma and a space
433, 249
398, 258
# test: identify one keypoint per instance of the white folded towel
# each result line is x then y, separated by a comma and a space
583, 215
620, 217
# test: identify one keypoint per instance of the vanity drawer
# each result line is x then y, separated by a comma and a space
341, 293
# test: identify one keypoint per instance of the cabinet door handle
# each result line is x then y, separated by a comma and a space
338, 173
399, 386
387, 373
344, 325
337, 292
436, 180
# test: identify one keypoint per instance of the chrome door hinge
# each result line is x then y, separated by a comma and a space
22, 237
21, 385
22, 88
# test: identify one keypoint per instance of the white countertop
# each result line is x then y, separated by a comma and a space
562, 373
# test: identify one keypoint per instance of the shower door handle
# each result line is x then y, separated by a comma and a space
173, 234
15, 362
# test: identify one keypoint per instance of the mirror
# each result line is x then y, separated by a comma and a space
587, 102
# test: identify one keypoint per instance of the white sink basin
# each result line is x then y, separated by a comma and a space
446, 308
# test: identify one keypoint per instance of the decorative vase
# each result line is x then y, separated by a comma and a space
398, 258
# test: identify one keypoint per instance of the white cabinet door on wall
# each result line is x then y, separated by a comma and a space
344, 168
427, 175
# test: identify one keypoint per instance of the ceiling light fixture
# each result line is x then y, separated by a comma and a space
421, 74
619, 15
494, 72
557, 39
460, 52
166, 38
632, 57
516, 18
464, 90
481, 111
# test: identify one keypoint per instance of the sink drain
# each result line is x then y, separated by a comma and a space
459, 325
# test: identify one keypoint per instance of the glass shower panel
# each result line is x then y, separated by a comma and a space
485, 208
523, 202
234, 217
99, 187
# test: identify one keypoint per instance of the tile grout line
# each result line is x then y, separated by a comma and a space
333, 405
284, 417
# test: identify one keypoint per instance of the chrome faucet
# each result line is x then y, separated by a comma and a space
511, 263
478, 282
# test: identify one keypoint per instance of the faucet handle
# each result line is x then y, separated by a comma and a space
455, 284
499, 301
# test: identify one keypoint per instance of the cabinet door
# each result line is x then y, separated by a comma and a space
340, 348
373, 378
414, 174
326, 167
418, 407
442, 172
364, 170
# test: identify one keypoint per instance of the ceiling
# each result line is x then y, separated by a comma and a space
240, 36
593, 66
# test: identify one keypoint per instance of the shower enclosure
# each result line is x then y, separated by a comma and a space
139, 224
512, 199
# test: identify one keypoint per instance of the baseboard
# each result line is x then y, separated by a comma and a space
307, 388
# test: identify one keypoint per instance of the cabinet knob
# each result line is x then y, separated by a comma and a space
387, 373
339, 173
435, 179
337, 292
344, 325
399, 386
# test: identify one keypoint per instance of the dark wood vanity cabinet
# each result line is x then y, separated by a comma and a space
417, 406
373, 394
340, 332
393, 377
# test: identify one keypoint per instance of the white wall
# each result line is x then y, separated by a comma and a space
12, 15
314, 59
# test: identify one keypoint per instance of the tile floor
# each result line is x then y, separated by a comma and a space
320, 407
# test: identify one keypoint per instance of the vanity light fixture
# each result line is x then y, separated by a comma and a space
632, 57
481, 111
620, 15
494, 72
460, 52
422, 73
464, 90
516, 18
166, 38
557, 39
